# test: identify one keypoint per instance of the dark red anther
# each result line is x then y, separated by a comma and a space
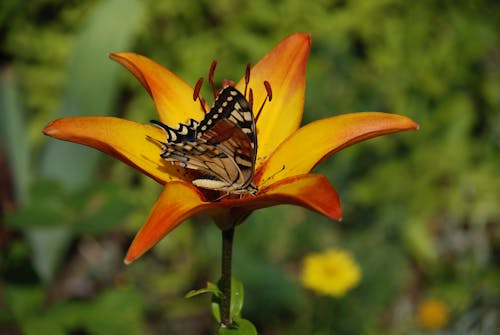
196, 94
211, 77
269, 97
197, 87
269, 90
250, 98
247, 77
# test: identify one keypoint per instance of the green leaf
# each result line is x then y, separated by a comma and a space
45, 209
23, 300
114, 312
26, 303
48, 245
215, 307
14, 134
239, 327
99, 208
92, 84
237, 298
211, 288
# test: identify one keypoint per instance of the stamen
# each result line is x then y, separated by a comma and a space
269, 97
211, 77
197, 87
247, 78
196, 94
250, 98
269, 90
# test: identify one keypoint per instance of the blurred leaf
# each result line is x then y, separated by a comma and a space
419, 240
116, 311
45, 209
26, 304
211, 288
14, 134
91, 90
99, 208
53, 217
266, 282
48, 245
237, 298
91, 84
24, 300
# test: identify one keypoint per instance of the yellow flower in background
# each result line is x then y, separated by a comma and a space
433, 314
333, 272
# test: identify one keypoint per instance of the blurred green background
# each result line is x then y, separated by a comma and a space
421, 209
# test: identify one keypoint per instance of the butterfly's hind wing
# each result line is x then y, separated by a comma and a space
222, 147
233, 132
209, 160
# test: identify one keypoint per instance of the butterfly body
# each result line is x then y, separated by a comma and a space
222, 147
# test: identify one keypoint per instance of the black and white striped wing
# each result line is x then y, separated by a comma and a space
222, 147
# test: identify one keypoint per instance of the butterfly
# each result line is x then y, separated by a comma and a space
222, 147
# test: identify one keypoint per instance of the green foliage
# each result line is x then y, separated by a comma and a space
95, 317
88, 66
420, 209
242, 327
239, 326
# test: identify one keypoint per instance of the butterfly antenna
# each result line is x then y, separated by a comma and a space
161, 144
211, 77
196, 94
269, 97
273, 175
247, 78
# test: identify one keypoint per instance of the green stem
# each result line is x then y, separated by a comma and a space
225, 282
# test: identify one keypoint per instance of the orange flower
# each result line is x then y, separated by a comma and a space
433, 314
285, 155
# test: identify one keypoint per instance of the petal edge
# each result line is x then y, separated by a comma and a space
172, 96
120, 138
307, 147
177, 202
284, 67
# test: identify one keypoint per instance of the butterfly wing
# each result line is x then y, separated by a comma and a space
209, 160
222, 146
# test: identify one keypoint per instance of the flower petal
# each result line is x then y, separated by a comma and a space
123, 139
302, 151
177, 202
181, 200
312, 191
284, 67
172, 96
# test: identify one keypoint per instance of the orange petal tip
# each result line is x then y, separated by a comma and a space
50, 129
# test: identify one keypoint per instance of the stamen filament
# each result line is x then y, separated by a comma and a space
269, 97
268, 90
197, 87
196, 94
211, 77
247, 78
250, 98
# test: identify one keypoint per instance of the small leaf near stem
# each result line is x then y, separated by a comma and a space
211, 288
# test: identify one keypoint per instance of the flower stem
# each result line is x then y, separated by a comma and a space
225, 282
